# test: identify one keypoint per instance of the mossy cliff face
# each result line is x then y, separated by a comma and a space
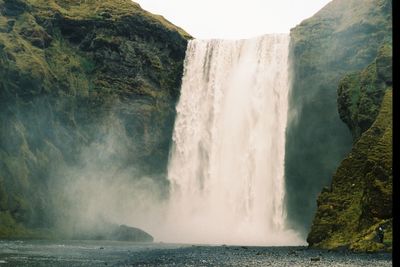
345, 36
360, 197
71, 74
360, 94
359, 200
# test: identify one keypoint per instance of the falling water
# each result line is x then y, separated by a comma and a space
226, 166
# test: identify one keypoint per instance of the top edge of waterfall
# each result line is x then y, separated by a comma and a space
243, 39
226, 166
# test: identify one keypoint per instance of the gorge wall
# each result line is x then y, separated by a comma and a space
88, 92
345, 36
359, 200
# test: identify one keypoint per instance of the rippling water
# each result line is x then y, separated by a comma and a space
107, 253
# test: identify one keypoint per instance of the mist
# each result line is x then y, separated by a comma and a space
227, 161
105, 188
127, 140
317, 140
83, 172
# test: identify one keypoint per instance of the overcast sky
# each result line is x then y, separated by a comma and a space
234, 19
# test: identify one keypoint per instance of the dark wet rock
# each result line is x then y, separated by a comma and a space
359, 198
127, 233
342, 38
66, 72
348, 216
114, 232
13, 7
105, 14
37, 37
10, 25
360, 94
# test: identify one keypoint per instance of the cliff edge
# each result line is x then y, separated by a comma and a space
79, 76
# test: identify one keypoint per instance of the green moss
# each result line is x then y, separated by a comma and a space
10, 229
342, 38
97, 10
361, 194
360, 94
8, 226
68, 68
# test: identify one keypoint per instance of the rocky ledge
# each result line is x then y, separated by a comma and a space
73, 73
355, 212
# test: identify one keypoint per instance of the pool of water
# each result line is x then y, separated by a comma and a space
108, 253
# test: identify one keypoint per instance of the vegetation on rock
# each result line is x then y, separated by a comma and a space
344, 37
360, 197
360, 94
359, 200
70, 72
73, 73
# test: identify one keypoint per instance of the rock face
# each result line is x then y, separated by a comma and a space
344, 37
127, 233
115, 232
72, 72
360, 197
360, 94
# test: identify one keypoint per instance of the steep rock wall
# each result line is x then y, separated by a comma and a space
359, 199
72, 74
343, 37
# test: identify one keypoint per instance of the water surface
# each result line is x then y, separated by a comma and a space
108, 253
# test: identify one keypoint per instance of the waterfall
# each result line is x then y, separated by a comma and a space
226, 167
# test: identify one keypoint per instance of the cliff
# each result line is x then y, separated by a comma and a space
79, 76
360, 94
344, 37
359, 200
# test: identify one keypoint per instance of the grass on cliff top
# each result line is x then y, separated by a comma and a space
346, 14
94, 9
85, 9
21, 55
352, 12
40, 68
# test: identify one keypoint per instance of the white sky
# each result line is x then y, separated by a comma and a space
234, 19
